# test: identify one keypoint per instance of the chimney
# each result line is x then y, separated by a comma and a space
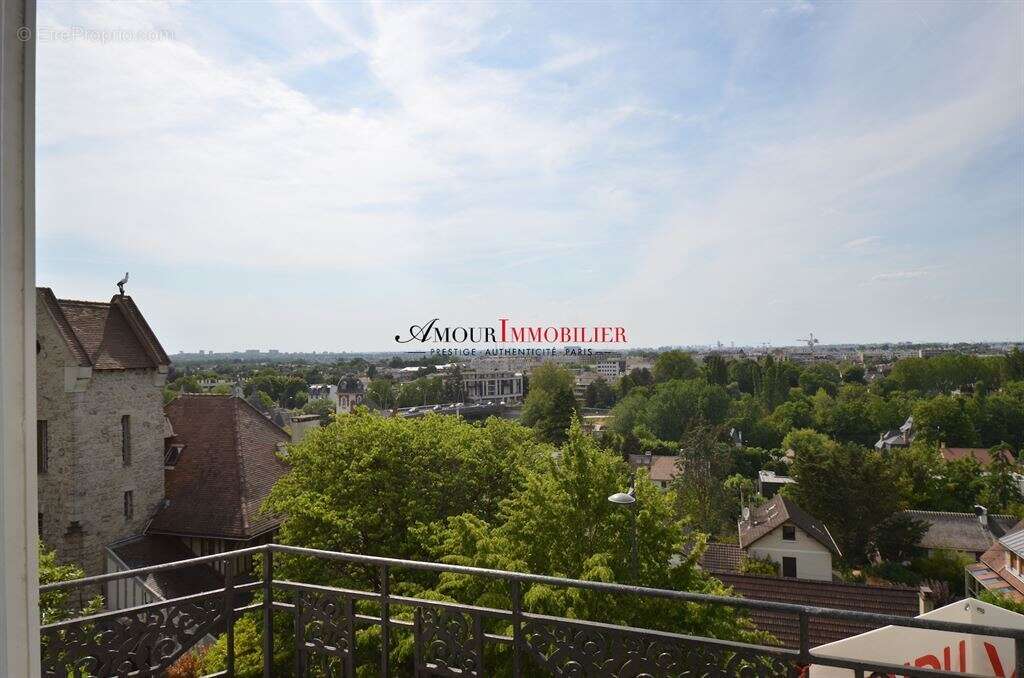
925, 600
982, 514
648, 458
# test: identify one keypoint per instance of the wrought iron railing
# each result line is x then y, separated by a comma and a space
448, 639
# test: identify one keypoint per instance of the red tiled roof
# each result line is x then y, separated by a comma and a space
721, 557
980, 454
662, 467
225, 472
105, 335
893, 600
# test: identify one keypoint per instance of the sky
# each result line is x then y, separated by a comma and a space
321, 176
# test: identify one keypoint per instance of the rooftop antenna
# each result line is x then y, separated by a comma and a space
122, 282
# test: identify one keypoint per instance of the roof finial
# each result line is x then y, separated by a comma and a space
122, 282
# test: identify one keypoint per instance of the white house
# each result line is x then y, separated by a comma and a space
781, 531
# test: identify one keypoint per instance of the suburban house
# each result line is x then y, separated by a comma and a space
901, 437
782, 532
971, 534
221, 463
100, 374
1000, 569
661, 468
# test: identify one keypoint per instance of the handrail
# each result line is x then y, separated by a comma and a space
523, 577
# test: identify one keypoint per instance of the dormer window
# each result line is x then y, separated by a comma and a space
788, 533
172, 455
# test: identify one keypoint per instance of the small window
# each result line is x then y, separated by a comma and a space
789, 567
42, 446
789, 533
126, 440
40, 526
129, 505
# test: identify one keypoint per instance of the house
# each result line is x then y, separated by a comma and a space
350, 392
221, 461
1000, 569
901, 437
779, 531
769, 484
967, 533
783, 532
661, 468
100, 373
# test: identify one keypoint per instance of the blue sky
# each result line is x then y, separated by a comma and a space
321, 176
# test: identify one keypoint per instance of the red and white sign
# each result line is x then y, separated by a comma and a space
921, 648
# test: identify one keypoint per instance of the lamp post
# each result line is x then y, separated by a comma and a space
628, 498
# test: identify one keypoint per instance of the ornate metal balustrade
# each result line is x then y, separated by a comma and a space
447, 639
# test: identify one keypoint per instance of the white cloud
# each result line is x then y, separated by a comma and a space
862, 243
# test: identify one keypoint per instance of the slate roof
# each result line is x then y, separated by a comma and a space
961, 531
110, 335
227, 468
721, 557
893, 600
767, 517
156, 550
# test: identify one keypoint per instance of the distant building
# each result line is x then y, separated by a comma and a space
485, 384
901, 437
661, 468
610, 370
100, 373
769, 484
350, 393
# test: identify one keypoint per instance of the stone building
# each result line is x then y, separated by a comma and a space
100, 423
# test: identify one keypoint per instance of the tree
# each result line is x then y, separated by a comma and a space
746, 374
322, 406
896, 538
705, 462
366, 483
381, 394
560, 522
820, 377
55, 606
854, 374
674, 365
944, 419
637, 377
716, 369
599, 394
550, 403
847, 487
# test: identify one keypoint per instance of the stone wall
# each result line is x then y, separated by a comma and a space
81, 496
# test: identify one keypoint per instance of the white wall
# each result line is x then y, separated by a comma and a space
19, 576
813, 560
954, 652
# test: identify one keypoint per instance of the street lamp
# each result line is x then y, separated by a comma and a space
628, 498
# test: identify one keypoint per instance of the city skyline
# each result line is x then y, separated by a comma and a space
315, 176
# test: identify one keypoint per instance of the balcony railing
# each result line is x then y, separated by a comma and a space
447, 639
